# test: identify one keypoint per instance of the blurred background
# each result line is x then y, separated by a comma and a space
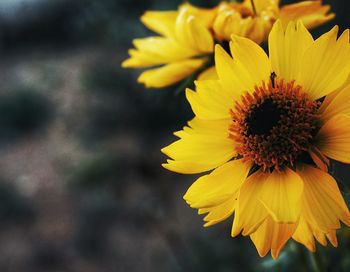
81, 186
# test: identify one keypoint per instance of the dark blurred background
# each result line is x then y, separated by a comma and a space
81, 186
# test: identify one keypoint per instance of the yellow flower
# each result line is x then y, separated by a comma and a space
182, 49
254, 18
268, 127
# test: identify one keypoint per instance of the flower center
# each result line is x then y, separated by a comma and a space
263, 118
274, 125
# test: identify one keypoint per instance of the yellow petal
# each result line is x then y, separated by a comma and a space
230, 21
259, 29
272, 236
208, 74
333, 139
140, 59
241, 74
281, 195
227, 73
204, 15
210, 101
218, 186
339, 104
304, 235
162, 22
250, 212
319, 235
325, 64
203, 146
190, 32
220, 212
332, 237
164, 48
200, 37
286, 49
322, 202
170, 73
153, 51
246, 55
311, 13
329, 98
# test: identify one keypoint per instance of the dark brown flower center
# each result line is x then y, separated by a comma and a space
262, 118
273, 125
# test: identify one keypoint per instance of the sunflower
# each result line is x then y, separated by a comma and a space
183, 48
269, 127
254, 18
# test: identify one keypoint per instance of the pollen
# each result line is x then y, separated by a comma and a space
274, 124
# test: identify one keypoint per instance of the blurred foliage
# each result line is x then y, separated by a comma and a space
97, 172
14, 207
96, 215
21, 112
119, 103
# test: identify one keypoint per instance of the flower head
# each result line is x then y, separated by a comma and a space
269, 126
254, 18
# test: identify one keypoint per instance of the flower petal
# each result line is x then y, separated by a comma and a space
190, 32
230, 21
322, 202
205, 16
242, 73
170, 73
162, 22
228, 76
203, 146
250, 212
332, 237
250, 60
208, 74
325, 64
218, 186
340, 104
286, 49
221, 212
281, 195
210, 101
333, 139
306, 234
153, 51
272, 236
329, 98
311, 13
200, 37
303, 235
319, 235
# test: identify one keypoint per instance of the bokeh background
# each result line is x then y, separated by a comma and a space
81, 186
